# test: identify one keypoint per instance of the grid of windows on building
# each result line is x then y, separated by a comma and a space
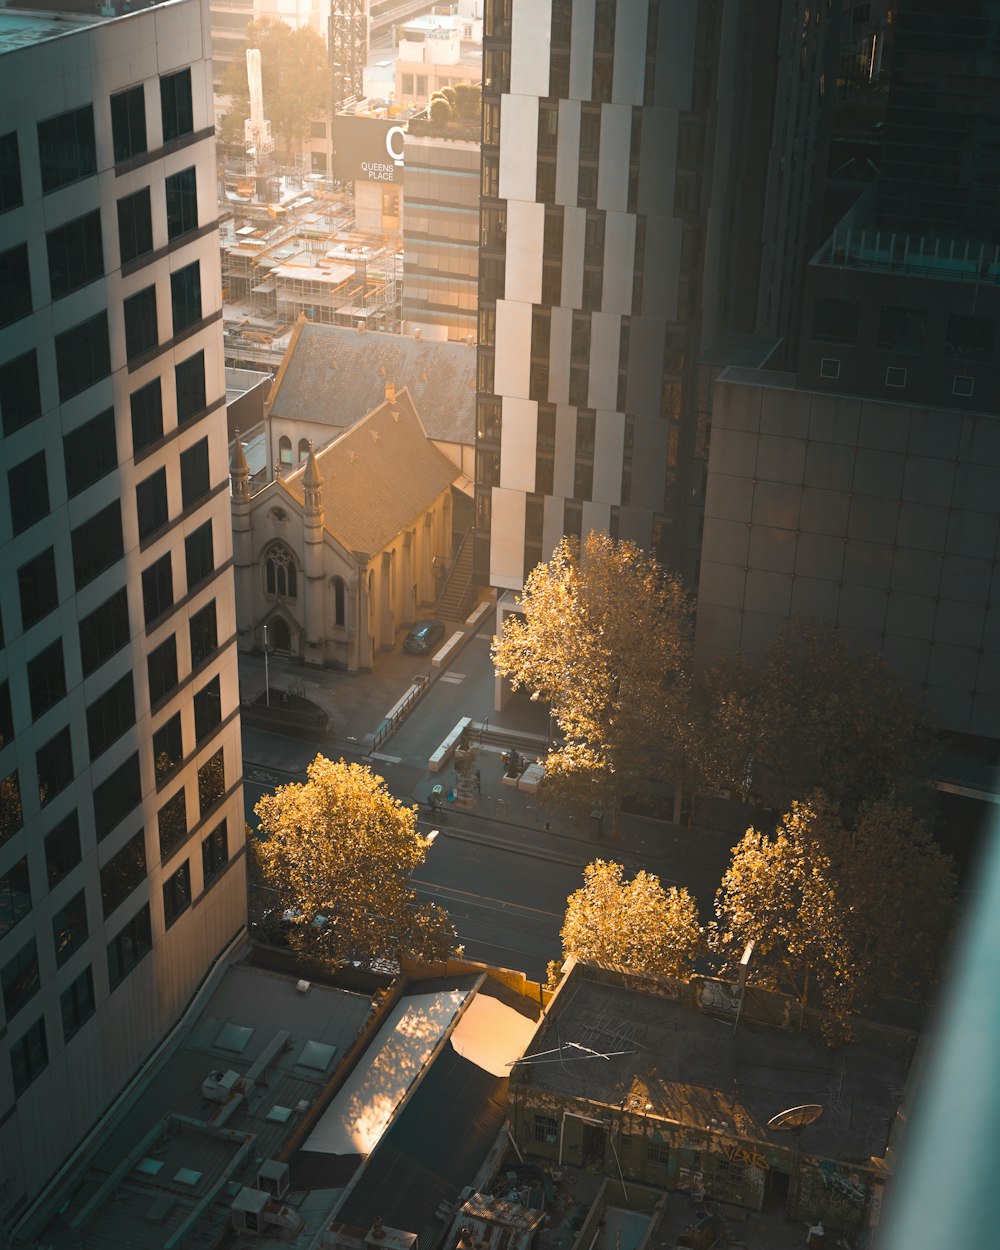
76, 254
97, 544
110, 715
207, 709
54, 766
185, 296
104, 632
83, 356
29, 1056
11, 194
38, 588
176, 110
182, 203
15, 896
146, 405
204, 634
161, 667
135, 226
62, 849
20, 398
77, 1003
67, 150
214, 854
151, 508
195, 478
168, 748
90, 452
128, 123
172, 824
10, 796
199, 557
177, 894
189, 376
69, 927
28, 492
211, 782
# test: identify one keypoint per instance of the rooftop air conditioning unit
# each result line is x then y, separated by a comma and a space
219, 1086
256, 1212
272, 1177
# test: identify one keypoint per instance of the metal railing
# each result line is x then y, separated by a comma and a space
392, 722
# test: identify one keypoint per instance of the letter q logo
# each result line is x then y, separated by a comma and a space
394, 138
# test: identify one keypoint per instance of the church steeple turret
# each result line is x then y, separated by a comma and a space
312, 484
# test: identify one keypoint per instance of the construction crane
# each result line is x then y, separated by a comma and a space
256, 131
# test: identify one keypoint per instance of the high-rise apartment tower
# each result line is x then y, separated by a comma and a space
121, 823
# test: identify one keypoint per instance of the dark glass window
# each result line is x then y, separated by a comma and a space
211, 781
185, 296
89, 452
38, 588
128, 123
62, 849
116, 796
182, 203
172, 823
970, 338
214, 853
110, 715
15, 285
20, 400
123, 873
76, 254
29, 492
161, 665
83, 356
11, 818
6, 719
104, 631
54, 765
195, 480
177, 894
147, 415
157, 589
46, 679
15, 896
835, 321
204, 635
199, 556
69, 927
151, 503
902, 329
175, 105
97, 544
135, 226
66, 148
10, 172
20, 979
29, 1056
168, 748
77, 1003
190, 377
140, 323
129, 946
207, 709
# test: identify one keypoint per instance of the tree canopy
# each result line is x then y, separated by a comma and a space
605, 637
336, 854
815, 712
636, 923
295, 79
840, 917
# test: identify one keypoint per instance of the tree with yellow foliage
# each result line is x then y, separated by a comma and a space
336, 855
605, 637
637, 924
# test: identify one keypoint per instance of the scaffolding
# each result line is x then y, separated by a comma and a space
348, 49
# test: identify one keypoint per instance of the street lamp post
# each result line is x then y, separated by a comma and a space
267, 676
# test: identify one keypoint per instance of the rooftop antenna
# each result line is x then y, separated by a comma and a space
793, 1120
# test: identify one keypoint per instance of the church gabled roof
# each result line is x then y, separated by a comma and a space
378, 477
334, 375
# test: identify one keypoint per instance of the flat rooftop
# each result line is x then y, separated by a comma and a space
20, 28
684, 1065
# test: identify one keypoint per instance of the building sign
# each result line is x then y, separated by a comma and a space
367, 149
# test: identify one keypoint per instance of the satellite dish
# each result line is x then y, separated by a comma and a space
796, 1118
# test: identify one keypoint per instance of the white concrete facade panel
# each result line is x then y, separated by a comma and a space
619, 263
507, 533
560, 344
513, 348
525, 233
661, 267
609, 448
631, 21
517, 454
657, 161
568, 152
605, 342
596, 516
676, 36
530, 23
612, 170
565, 453
574, 227
552, 525
581, 50
517, 177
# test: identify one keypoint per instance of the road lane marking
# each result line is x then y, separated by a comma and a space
500, 904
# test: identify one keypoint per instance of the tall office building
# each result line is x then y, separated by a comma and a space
121, 824
647, 175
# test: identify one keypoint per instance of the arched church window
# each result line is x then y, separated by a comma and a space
279, 573
284, 449
339, 601
303, 449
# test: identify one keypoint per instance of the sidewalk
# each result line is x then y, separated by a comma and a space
502, 815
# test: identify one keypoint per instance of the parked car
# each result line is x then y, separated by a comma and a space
423, 636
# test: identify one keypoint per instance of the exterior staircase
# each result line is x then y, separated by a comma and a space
458, 594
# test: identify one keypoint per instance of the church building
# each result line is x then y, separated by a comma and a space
336, 556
